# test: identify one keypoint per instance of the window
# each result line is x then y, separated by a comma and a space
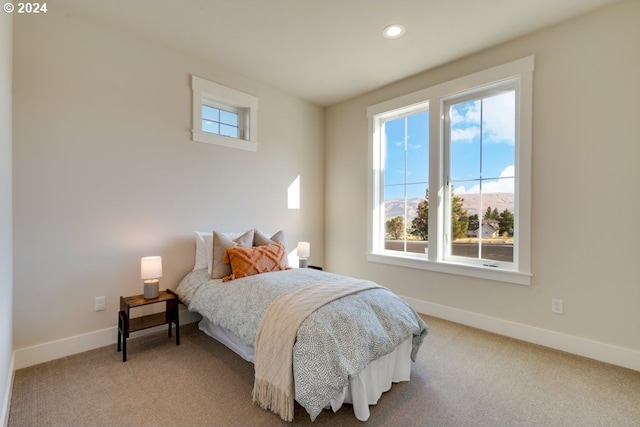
451, 176
224, 116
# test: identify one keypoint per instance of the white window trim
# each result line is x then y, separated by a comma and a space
219, 96
434, 261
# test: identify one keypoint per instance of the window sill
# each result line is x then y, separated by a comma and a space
421, 263
225, 141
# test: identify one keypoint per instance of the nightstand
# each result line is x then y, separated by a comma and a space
126, 324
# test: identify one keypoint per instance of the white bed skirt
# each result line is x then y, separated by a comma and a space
362, 391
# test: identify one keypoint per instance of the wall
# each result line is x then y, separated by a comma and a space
6, 232
585, 196
105, 173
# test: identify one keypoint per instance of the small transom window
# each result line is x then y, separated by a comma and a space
224, 116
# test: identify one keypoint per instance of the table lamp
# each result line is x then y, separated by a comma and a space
150, 272
304, 250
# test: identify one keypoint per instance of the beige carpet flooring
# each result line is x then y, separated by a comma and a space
463, 377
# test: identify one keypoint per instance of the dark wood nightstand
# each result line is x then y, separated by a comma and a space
126, 324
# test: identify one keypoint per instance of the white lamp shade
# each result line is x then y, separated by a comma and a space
304, 249
151, 267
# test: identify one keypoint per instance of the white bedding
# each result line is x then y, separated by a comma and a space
363, 390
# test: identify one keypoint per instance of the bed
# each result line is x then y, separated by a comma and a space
347, 349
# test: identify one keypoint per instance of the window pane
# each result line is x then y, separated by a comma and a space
465, 244
209, 126
394, 232
229, 118
464, 140
226, 130
394, 160
497, 244
210, 113
498, 135
418, 150
417, 219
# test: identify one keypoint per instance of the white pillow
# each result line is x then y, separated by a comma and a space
204, 248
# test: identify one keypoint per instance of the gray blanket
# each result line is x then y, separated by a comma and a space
333, 344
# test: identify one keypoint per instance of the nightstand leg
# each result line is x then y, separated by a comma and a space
119, 331
123, 332
173, 316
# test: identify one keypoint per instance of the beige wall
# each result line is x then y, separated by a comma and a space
6, 226
586, 149
105, 171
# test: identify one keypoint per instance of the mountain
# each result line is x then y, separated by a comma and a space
470, 202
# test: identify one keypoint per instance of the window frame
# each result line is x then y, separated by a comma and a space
521, 71
221, 97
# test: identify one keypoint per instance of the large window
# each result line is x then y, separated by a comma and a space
451, 174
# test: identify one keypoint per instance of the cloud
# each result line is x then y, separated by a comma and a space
465, 121
498, 119
499, 123
467, 112
465, 135
504, 184
508, 172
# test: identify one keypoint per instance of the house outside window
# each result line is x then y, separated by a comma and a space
451, 176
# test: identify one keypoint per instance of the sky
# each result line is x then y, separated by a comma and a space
482, 148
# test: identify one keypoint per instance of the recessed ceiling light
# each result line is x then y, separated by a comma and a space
393, 31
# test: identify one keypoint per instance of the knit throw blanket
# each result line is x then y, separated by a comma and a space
273, 388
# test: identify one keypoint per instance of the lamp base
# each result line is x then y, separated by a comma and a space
151, 289
303, 262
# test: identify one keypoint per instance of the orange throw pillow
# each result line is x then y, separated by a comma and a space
247, 261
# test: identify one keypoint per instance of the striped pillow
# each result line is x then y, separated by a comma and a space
247, 261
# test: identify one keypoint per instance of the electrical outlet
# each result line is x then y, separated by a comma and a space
557, 306
100, 303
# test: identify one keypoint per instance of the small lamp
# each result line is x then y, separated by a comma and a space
150, 272
303, 254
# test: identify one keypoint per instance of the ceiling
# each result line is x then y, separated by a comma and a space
327, 51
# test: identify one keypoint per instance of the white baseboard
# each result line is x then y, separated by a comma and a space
45, 352
619, 356
6, 404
